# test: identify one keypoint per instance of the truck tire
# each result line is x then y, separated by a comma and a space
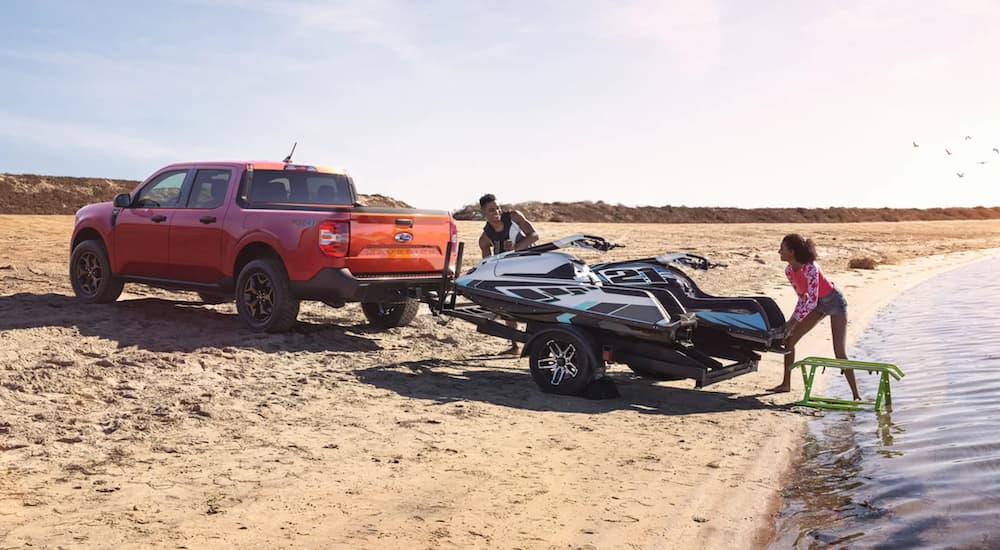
263, 297
213, 298
383, 316
562, 361
91, 276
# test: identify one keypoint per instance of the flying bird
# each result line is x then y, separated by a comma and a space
982, 162
915, 144
997, 151
947, 151
968, 137
960, 174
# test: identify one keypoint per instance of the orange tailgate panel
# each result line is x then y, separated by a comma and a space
397, 243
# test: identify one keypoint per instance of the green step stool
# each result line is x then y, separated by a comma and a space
884, 395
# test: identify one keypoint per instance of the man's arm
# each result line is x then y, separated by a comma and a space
485, 245
530, 235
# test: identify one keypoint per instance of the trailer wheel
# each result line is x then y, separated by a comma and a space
383, 316
562, 361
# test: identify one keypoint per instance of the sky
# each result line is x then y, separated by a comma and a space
698, 103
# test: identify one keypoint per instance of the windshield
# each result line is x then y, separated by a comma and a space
295, 187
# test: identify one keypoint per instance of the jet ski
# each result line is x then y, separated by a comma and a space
723, 323
544, 285
647, 313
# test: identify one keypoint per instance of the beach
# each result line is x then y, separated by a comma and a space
159, 421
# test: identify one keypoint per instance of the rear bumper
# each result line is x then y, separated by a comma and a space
340, 285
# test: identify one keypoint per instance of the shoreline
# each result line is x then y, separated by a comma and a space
159, 421
873, 297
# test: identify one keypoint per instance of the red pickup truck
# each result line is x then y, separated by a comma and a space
268, 234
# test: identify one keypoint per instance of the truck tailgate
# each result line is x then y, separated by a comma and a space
389, 241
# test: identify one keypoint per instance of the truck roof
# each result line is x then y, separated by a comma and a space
262, 165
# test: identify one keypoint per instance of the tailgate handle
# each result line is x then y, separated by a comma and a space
404, 221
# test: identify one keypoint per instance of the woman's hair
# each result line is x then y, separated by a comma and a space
803, 249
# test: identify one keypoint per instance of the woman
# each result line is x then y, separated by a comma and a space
817, 299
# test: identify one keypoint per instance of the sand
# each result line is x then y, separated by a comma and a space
161, 422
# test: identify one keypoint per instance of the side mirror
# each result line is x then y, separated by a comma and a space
123, 200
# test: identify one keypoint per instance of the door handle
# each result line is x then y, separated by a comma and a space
207, 219
158, 218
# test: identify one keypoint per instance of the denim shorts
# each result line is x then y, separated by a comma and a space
833, 303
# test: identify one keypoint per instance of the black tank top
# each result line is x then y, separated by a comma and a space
498, 237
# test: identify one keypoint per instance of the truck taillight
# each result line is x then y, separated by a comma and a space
334, 238
453, 232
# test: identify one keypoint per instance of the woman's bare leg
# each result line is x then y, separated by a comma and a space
838, 326
798, 331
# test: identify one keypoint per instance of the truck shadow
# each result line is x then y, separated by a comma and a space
156, 324
512, 386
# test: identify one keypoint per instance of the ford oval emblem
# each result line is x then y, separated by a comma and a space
404, 237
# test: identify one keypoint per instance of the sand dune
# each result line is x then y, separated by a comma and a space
161, 422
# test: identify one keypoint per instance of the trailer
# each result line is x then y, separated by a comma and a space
569, 347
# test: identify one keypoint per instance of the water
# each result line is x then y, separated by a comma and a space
926, 475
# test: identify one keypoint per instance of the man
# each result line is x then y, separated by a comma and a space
504, 232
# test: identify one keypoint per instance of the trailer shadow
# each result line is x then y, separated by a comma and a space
511, 386
164, 325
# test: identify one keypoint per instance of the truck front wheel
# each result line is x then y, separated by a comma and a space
263, 297
90, 274
384, 316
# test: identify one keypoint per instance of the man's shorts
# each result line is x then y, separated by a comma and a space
833, 303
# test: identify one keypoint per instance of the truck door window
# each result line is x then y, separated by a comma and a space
209, 188
163, 192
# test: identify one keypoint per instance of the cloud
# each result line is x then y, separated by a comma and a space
691, 30
377, 22
65, 135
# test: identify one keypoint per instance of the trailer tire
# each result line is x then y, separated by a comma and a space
562, 361
390, 315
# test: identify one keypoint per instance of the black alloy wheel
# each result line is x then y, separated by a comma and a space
90, 274
264, 299
562, 361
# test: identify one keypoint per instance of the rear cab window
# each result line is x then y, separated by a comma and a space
296, 189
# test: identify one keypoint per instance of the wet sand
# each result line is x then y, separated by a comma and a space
158, 421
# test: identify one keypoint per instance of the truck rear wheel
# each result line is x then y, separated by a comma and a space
562, 361
384, 316
263, 297
90, 274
